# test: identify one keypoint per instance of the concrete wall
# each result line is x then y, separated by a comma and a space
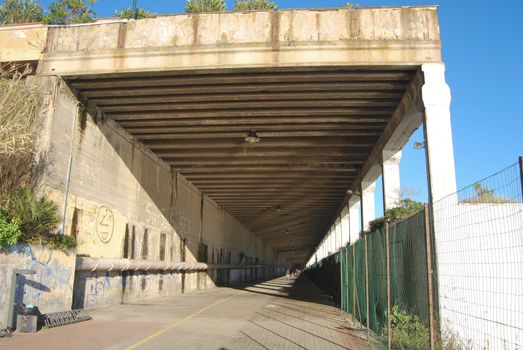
102, 288
123, 201
51, 288
479, 249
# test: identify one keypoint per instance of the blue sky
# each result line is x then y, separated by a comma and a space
483, 51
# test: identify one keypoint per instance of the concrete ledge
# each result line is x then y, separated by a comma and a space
364, 36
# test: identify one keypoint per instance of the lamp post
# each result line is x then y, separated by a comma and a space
134, 14
11, 321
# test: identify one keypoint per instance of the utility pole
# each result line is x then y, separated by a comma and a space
134, 14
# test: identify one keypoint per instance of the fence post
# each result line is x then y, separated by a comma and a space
347, 279
354, 283
367, 285
428, 246
342, 285
521, 174
389, 308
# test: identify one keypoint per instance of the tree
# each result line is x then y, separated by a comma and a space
199, 6
20, 11
70, 12
243, 5
128, 13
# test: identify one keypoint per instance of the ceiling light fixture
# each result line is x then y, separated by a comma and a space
353, 193
252, 137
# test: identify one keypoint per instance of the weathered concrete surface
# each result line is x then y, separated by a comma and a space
124, 202
51, 288
276, 314
103, 288
22, 42
363, 36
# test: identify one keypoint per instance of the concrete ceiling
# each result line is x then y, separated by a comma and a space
317, 128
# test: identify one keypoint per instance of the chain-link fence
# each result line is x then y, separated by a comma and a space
450, 279
386, 273
479, 245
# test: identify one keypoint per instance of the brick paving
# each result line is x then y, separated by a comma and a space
277, 314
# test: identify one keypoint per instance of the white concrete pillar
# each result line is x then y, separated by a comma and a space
438, 132
338, 237
391, 179
441, 174
368, 208
354, 218
345, 230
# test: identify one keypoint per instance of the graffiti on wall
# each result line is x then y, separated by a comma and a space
50, 288
104, 224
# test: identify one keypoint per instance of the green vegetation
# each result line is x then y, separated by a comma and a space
408, 333
128, 13
9, 229
200, 6
70, 12
351, 5
25, 218
407, 207
244, 5
20, 11
486, 195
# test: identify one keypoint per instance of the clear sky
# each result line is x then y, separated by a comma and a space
483, 51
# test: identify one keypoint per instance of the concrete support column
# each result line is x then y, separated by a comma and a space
441, 175
368, 209
345, 230
354, 218
391, 179
338, 234
438, 132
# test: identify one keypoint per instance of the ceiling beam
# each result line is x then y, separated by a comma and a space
245, 88
364, 95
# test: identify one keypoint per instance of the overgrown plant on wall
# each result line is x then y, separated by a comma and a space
128, 13
26, 218
244, 5
20, 11
70, 12
199, 6
20, 103
23, 216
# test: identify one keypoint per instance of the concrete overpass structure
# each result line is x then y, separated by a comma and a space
147, 120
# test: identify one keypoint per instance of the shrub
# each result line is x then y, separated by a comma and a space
128, 14
37, 220
63, 243
70, 12
199, 6
406, 208
408, 333
243, 5
9, 229
20, 11
39, 217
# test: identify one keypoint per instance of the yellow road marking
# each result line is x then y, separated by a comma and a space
179, 322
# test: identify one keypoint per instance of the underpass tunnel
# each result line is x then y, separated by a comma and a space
275, 149
192, 156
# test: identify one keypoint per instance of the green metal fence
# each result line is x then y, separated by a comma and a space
368, 288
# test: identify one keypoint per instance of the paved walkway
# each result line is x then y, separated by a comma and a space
277, 314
